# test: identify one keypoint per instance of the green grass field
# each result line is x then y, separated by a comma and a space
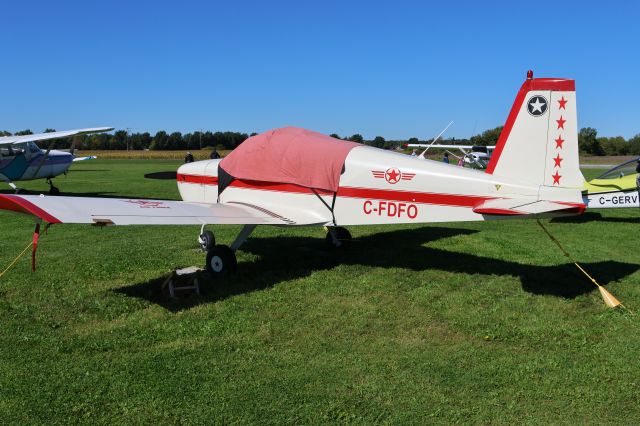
465, 323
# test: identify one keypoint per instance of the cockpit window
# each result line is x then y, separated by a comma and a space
622, 170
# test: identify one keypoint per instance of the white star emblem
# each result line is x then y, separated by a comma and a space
537, 105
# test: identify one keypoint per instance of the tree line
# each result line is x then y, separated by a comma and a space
588, 141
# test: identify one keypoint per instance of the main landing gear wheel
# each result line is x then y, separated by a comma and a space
338, 237
221, 260
207, 241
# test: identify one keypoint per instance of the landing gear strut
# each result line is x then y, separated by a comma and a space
221, 259
52, 189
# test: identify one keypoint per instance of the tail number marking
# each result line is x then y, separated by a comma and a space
390, 209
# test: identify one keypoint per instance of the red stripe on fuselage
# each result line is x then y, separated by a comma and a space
203, 180
352, 192
18, 204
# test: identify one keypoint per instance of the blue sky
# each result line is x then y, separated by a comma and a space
396, 68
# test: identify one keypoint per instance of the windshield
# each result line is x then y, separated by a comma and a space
622, 170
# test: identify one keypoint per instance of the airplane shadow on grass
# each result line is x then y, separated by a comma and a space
287, 258
592, 216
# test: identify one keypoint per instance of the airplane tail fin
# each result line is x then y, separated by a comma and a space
539, 141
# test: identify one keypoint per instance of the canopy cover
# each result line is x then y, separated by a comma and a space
290, 155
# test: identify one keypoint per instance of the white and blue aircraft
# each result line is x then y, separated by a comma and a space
21, 159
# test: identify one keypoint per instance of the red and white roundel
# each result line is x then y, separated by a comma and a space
393, 175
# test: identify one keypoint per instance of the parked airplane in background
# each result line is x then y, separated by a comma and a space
21, 159
294, 177
615, 188
474, 156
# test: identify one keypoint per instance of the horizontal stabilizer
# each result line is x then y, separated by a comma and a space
523, 206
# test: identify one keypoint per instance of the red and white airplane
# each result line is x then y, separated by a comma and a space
296, 177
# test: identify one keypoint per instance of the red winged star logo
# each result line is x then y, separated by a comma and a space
148, 204
393, 175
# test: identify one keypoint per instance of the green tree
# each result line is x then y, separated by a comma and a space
335, 135
159, 141
356, 138
588, 141
4, 133
488, 137
24, 132
378, 142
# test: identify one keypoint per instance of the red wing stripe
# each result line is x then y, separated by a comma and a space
18, 204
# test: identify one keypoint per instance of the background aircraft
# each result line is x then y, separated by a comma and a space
296, 177
615, 188
474, 156
22, 159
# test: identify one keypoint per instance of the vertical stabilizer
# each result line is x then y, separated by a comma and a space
539, 142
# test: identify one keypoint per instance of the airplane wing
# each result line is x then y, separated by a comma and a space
516, 206
426, 145
6, 140
120, 211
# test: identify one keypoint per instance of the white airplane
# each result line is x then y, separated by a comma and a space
21, 159
296, 177
474, 156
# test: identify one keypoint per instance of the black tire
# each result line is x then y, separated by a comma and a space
207, 240
54, 191
342, 234
221, 261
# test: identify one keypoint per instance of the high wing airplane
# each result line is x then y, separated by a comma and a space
296, 177
22, 159
474, 156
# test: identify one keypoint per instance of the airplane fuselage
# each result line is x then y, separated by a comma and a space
26, 163
376, 187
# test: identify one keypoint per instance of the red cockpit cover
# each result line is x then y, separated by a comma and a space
290, 155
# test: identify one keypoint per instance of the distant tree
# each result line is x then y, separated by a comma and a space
49, 130
378, 142
335, 135
614, 146
23, 132
253, 134
413, 140
159, 141
174, 141
588, 141
488, 137
634, 145
119, 140
4, 133
356, 138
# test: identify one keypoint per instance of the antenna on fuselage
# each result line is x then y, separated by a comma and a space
421, 156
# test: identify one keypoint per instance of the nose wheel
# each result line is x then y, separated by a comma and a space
338, 237
52, 189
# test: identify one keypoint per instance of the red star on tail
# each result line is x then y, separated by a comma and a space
559, 142
561, 123
562, 103
556, 178
557, 160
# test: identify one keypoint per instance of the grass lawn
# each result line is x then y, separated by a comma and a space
465, 322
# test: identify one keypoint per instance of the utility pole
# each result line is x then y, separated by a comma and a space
126, 137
